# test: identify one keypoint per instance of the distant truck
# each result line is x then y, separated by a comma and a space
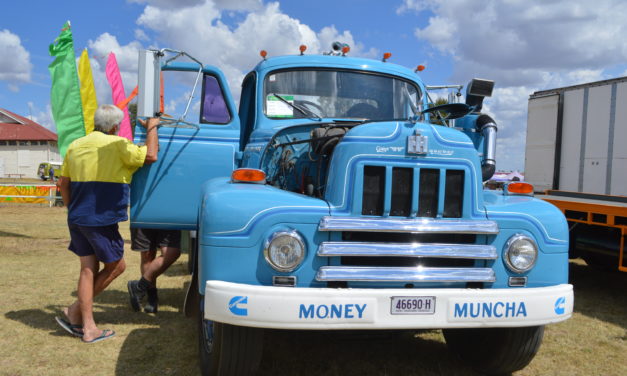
576, 155
329, 200
43, 171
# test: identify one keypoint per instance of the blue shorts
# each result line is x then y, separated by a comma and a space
103, 241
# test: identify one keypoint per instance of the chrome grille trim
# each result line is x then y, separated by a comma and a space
469, 251
409, 225
403, 274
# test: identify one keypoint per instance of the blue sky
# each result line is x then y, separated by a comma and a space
524, 45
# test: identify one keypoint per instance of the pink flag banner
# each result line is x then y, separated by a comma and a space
118, 95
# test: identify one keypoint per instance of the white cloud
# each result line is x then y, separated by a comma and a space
235, 49
141, 35
525, 46
42, 117
236, 5
125, 55
15, 65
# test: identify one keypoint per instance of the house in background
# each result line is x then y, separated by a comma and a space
23, 145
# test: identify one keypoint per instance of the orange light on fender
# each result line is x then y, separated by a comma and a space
263, 53
302, 49
345, 49
420, 68
386, 56
248, 175
520, 188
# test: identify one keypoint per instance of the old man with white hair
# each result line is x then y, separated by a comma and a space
95, 186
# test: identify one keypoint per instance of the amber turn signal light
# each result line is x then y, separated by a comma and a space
520, 188
302, 49
263, 53
420, 68
248, 175
386, 56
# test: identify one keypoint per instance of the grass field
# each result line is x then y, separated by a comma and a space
38, 278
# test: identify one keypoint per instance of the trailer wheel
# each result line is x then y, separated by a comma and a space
495, 351
228, 349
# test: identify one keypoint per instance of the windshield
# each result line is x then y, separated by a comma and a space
338, 94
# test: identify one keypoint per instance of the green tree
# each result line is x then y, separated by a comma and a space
438, 116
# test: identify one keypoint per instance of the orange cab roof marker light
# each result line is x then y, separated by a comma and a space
263, 54
420, 68
520, 188
345, 50
248, 175
386, 56
302, 49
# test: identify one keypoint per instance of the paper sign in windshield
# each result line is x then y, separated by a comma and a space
277, 108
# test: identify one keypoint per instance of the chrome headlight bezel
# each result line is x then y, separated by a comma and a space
509, 247
295, 236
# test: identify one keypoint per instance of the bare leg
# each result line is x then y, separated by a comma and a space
147, 257
89, 269
158, 265
99, 281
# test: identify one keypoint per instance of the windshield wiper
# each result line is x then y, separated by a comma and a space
310, 114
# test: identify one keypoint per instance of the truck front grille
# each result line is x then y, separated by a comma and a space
402, 193
407, 250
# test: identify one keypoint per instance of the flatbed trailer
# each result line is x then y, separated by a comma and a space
604, 215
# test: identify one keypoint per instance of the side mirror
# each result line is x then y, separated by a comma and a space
476, 90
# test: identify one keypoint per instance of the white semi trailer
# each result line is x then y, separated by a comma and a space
576, 155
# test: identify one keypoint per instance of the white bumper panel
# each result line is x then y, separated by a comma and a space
327, 308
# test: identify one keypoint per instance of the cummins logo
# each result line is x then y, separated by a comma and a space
235, 305
560, 305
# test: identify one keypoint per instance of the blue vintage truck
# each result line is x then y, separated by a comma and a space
338, 197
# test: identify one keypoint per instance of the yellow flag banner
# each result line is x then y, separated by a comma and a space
88, 91
32, 194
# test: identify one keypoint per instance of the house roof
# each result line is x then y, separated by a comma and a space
19, 128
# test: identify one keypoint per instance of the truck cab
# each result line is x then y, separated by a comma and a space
338, 197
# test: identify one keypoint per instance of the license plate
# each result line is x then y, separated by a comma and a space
412, 305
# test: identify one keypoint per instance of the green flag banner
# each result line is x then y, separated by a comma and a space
65, 95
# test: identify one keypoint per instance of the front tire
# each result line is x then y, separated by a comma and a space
226, 350
495, 351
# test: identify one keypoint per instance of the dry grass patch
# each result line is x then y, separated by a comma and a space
38, 278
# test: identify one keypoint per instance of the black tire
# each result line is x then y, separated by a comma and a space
226, 350
495, 351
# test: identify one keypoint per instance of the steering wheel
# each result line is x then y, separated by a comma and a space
362, 110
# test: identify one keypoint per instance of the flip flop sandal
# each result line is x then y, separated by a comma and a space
104, 335
74, 329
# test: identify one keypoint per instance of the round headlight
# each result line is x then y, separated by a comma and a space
284, 250
521, 253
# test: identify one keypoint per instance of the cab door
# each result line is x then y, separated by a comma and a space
202, 145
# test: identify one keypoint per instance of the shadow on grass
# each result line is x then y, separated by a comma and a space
599, 293
356, 353
5, 234
43, 319
150, 352
38, 319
